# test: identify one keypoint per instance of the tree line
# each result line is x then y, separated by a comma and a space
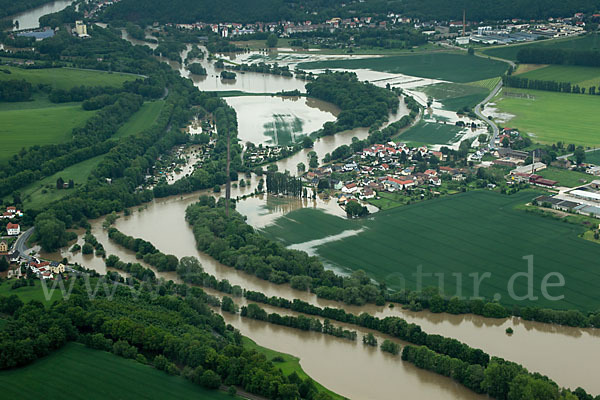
552, 86
144, 250
301, 322
547, 55
377, 136
363, 104
280, 183
171, 327
235, 243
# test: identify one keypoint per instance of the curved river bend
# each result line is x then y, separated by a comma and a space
346, 367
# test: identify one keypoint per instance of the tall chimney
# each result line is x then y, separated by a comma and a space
464, 22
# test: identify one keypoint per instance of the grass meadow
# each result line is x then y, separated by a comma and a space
472, 232
28, 293
593, 157
550, 117
143, 119
289, 365
43, 192
582, 76
452, 67
77, 372
45, 125
66, 78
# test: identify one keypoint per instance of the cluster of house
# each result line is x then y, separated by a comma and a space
46, 269
11, 212
380, 168
261, 154
12, 257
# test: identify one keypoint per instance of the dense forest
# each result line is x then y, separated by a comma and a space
171, 327
542, 55
362, 104
251, 11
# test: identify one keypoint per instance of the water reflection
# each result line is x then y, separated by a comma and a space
30, 19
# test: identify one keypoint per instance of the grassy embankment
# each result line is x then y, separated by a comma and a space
78, 372
473, 232
289, 365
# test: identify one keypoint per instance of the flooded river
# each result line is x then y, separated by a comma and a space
346, 367
539, 347
30, 19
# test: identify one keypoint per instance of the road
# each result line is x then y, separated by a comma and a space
488, 121
21, 243
570, 154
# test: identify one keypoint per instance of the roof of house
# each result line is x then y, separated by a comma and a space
351, 185
12, 226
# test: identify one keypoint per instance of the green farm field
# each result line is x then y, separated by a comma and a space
445, 66
431, 133
45, 125
41, 193
550, 117
28, 293
587, 42
77, 372
583, 76
472, 232
141, 120
66, 78
455, 96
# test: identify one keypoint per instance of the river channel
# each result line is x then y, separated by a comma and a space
567, 355
30, 19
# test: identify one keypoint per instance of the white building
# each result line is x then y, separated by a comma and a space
13, 229
81, 29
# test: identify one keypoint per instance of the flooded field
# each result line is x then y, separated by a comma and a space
279, 120
30, 19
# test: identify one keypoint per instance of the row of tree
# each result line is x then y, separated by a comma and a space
144, 250
172, 327
301, 322
549, 55
552, 86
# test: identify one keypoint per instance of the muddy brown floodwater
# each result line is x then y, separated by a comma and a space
539, 347
567, 355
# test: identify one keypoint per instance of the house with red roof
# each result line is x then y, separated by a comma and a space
13, 229
350, 188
